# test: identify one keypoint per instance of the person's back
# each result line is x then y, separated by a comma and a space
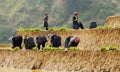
41, 40
17, 41
93, 25
56, 41
29, 43
75, 41
71, 41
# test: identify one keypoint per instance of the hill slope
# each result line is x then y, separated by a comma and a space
16, 14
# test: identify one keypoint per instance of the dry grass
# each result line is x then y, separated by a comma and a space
113, 21
81, 61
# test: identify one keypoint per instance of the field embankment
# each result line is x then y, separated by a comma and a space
84, 61
113, 21
91, 39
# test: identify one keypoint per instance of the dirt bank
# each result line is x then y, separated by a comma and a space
84, 61
90, 39
113, 21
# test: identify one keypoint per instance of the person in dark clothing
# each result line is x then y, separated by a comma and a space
93, 25
75, 21
16, 41
41, 40
71, 41
29, 43
46, 21
80, 25
55, 40
77, 24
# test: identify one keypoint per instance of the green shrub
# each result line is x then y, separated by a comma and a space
113, 48
117, 26
107, 27
63, 28
52, 29
60, 48
29, 29
74, 48
16, 48
52, 48
102, 48
34, 48
100, 27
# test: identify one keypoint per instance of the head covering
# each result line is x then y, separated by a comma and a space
50, 35
75, 13
10, 38
77, 39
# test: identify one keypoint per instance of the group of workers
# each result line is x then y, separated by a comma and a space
55, 41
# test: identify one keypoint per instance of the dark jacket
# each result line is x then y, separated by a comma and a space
56, 41
29, 43
41, 39
75, 23
17, 41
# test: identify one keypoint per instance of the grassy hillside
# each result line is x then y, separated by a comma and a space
16, 14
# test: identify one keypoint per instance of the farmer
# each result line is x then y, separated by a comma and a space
29, 42
55, 40
76, 23
93, 25
46, 21
16, 41
71, 41
41, 40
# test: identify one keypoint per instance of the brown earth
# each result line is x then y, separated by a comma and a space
91, 39
5, 45
113, 21
80, 61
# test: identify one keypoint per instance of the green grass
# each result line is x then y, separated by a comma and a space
47, 48
16, 48
102, 48
113, 47
38, 29
107, 27
29, 29
60, 29
60, 48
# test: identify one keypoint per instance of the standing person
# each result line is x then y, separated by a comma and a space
41, 40
75, 21
71, 41
46, 21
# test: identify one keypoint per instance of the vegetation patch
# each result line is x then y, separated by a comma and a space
29, 29
103, 48
104, 27
16, 48
113, 48
60, 48
38, 29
